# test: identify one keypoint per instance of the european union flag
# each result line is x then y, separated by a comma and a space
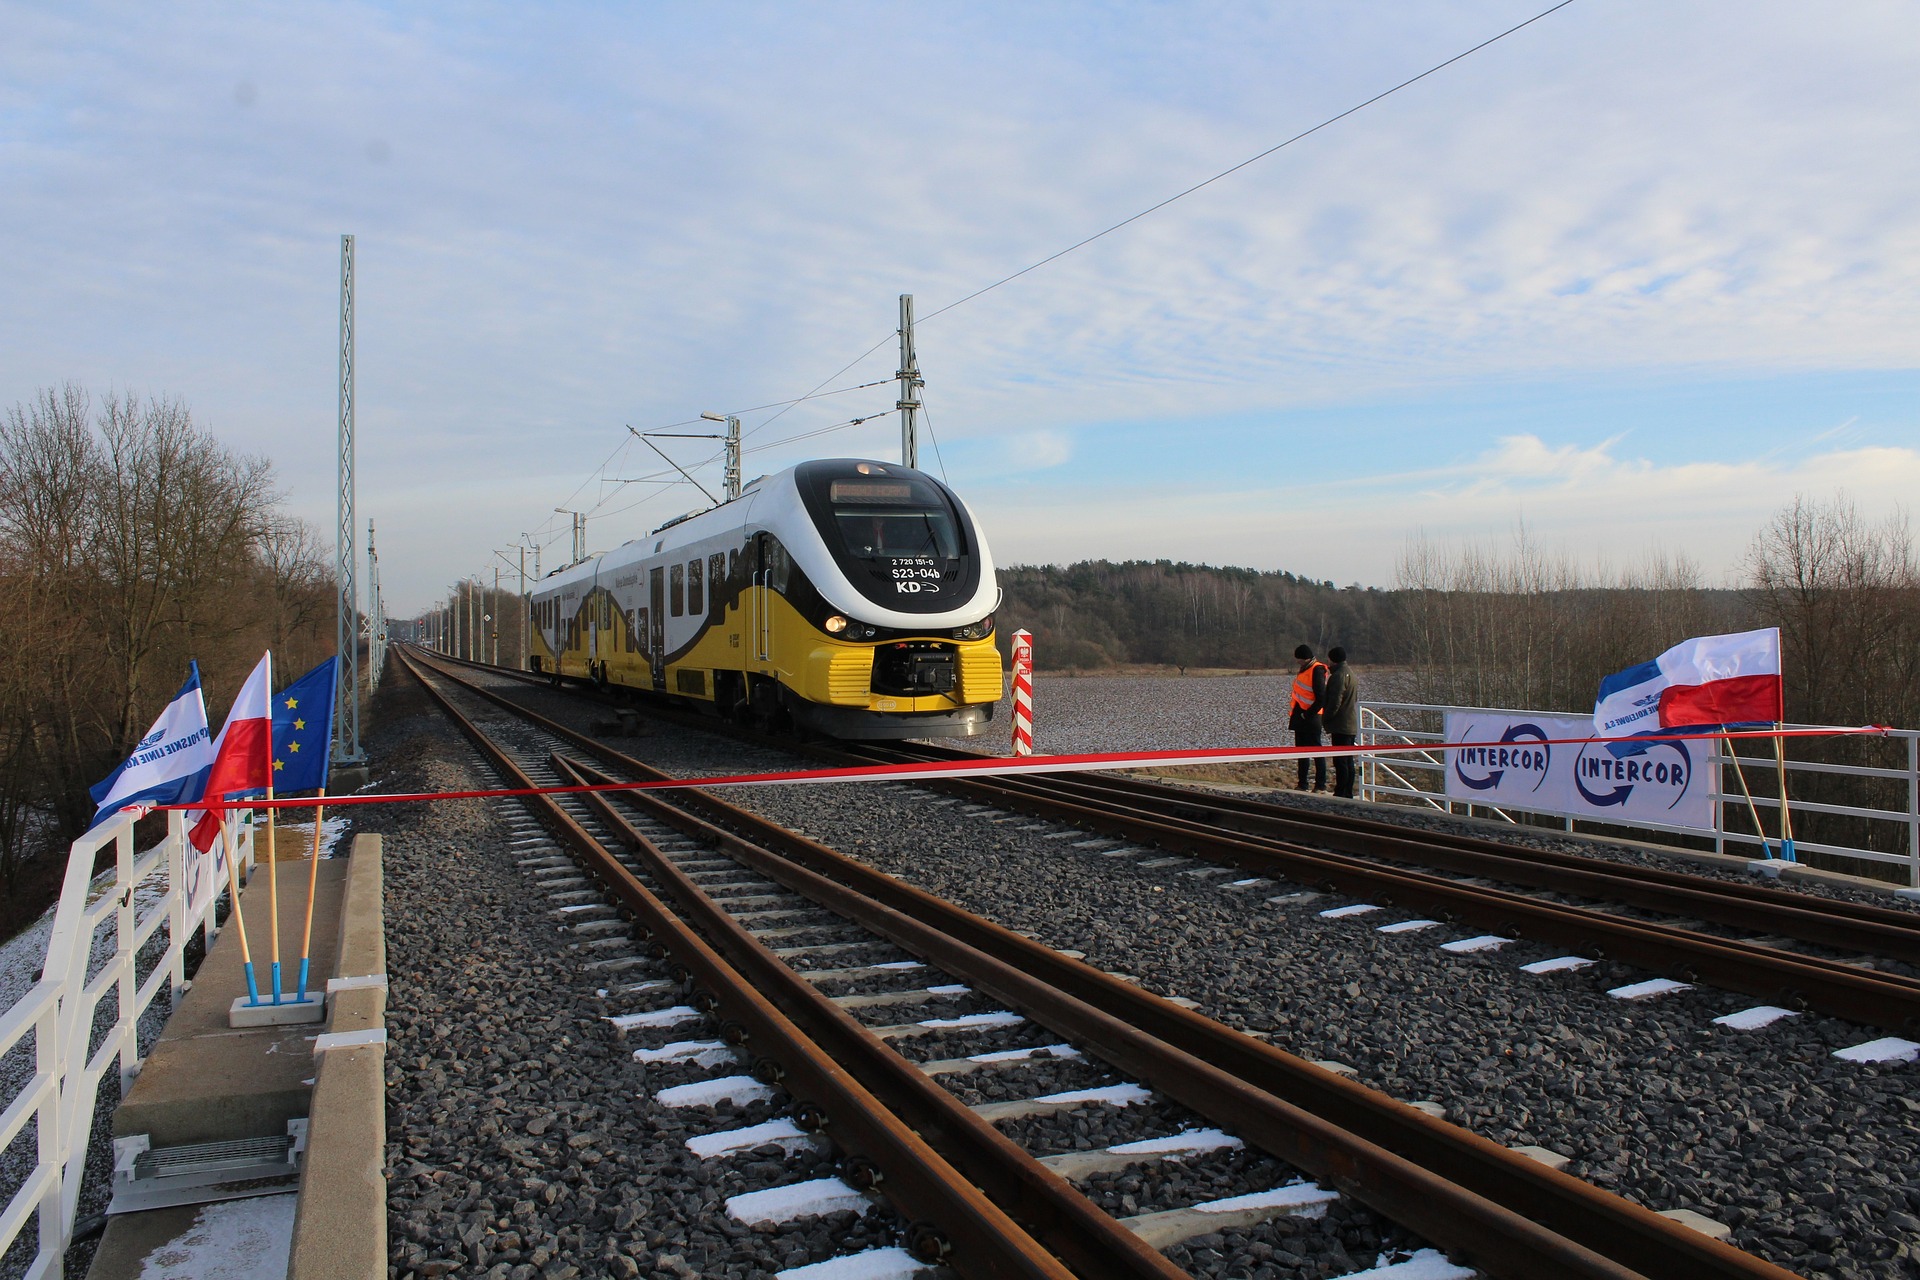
303, 730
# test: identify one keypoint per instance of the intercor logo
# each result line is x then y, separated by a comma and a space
1485, 768
1513, 763
1606, 778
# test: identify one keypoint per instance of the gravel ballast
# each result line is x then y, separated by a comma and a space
1318, 1242
523, 1139
1806, 1156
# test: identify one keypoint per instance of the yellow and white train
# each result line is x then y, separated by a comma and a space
851, 597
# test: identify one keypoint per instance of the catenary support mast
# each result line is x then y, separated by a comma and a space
732, 476
346, 719
910, 384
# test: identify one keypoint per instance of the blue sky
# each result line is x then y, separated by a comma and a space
1633, 276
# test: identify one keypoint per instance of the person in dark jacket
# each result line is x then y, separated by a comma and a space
1339, 710
1303, 697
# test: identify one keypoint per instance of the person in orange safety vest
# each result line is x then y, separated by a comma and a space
1303, 719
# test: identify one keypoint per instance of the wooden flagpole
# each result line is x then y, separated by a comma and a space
239, 917
1752, 808
273, 859
313, 879
1786, 814
273, 871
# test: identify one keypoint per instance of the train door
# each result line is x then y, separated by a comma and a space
657, 626
759, 614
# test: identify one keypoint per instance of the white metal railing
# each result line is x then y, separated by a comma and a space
138, 914
1400, 776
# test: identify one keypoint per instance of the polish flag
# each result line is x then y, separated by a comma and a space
1706, 681
242, 754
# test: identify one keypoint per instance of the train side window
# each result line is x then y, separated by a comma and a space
779, 565
640, 631
733, 567
633, 628
696, 595
677, 590
716, 569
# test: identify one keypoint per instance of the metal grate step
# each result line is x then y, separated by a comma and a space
146, 1177
244, 1153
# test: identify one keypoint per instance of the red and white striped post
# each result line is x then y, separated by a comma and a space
1023, 693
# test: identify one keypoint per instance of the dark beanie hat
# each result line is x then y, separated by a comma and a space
1336, 654
1303, 651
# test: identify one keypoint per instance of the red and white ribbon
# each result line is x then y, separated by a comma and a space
1004, 766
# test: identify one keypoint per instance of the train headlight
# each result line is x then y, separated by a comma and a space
836, 624
975, 630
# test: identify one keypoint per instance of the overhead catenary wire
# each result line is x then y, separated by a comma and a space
669, 479
784, 406
599, 473
1250, 160
938, 457
824, 381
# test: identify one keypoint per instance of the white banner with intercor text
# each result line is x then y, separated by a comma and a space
1665, 782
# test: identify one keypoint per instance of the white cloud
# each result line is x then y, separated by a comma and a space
1589, 501
570, 220
1038, 450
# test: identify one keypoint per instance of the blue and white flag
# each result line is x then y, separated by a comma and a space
169, 765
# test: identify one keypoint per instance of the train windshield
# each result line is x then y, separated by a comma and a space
881, 519
897, 534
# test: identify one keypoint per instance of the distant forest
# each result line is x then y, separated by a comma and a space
1516, 625
1100, 614
1521, 626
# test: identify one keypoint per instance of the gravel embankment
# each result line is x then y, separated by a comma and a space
1806, 1156
523, 1141
456, 1202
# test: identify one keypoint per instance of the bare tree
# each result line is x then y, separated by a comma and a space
1528, 628
297, 566
50, 463
179, 521
1842, 591
130, 541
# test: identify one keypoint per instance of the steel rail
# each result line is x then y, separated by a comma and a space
1796, 981
1496, 1239
1630, 1234
921, 1184
1090, 1241
1843, 925
1835, 923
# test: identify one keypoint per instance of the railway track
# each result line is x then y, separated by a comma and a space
1459, 879
915, 1143
1181, 822
1835, 923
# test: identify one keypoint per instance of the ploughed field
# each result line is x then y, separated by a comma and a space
1075, 714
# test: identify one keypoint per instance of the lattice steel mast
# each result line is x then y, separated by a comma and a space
346, 719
